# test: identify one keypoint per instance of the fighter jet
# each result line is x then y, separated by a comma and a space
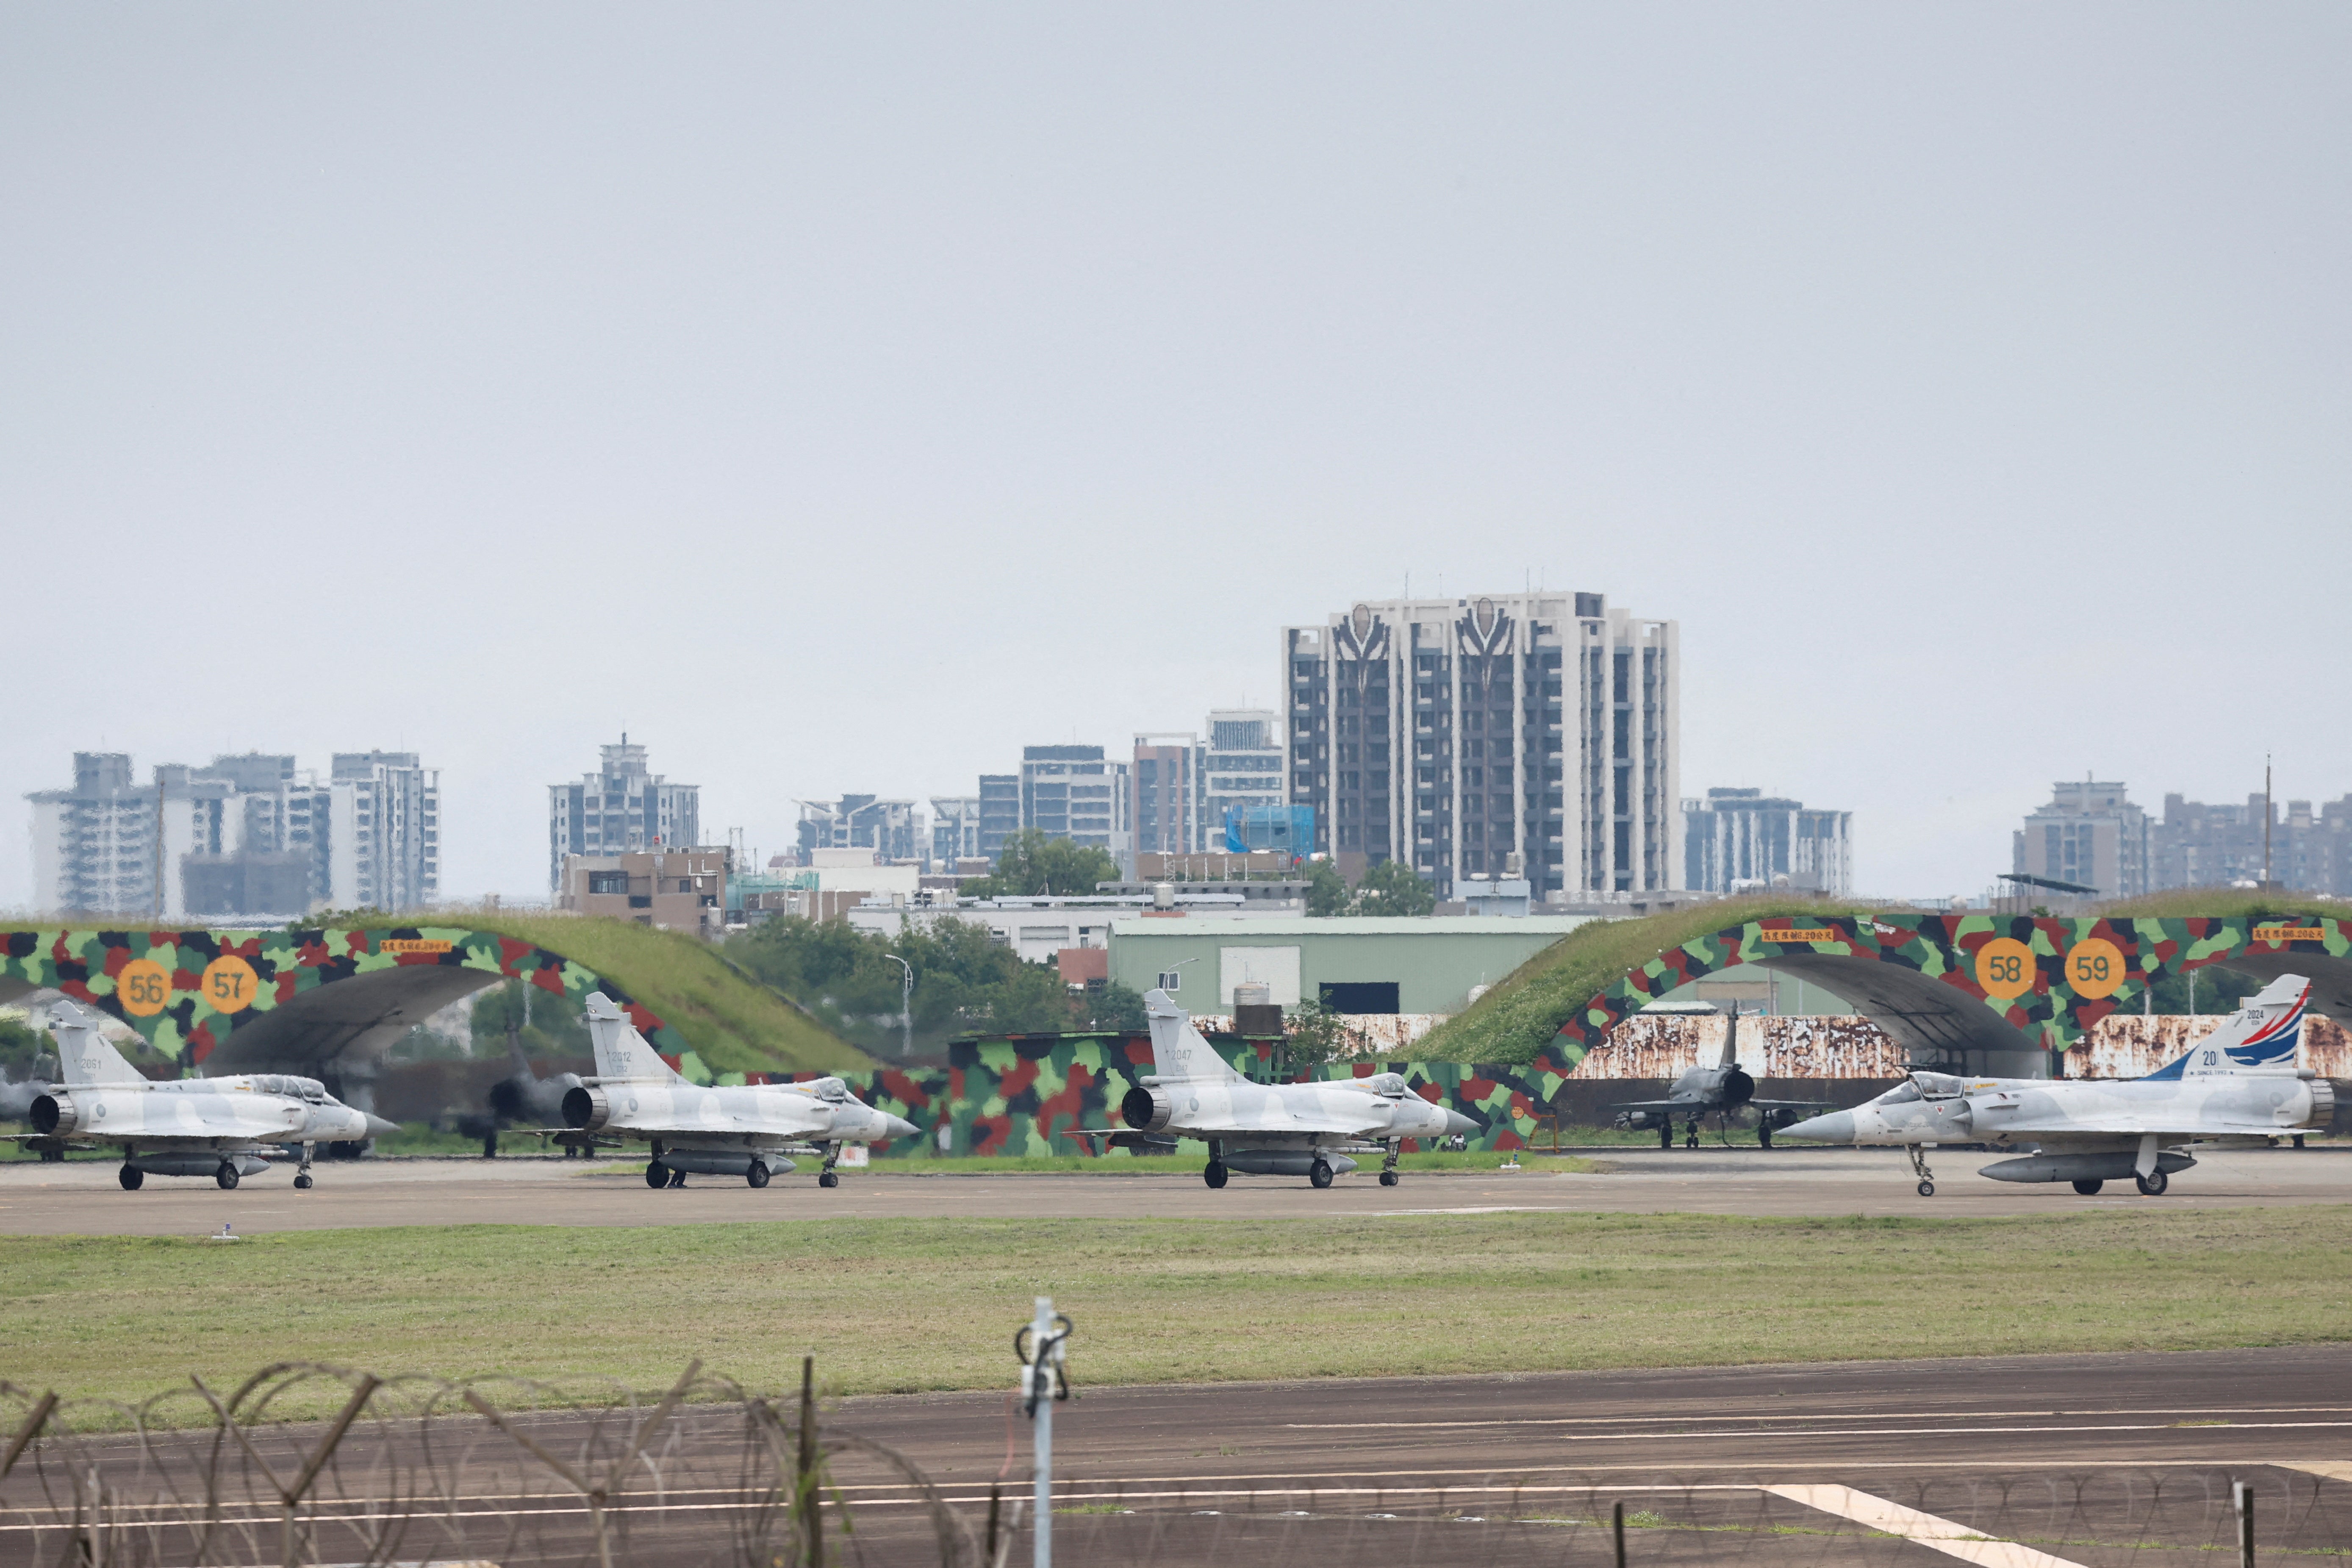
225, 1128
524, 1096
739, 1131
1269, 1130
1717, 1090
2238, 1087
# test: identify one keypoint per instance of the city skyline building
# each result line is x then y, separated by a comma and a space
896, 830
1738, 837
1452, 733
2090, 834
955, 829
619, 807
1167, 781
1243, 766
2197, 845
1077, 794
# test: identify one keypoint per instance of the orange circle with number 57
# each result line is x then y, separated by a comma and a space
2005, 968
142, 988
2094, 967
229, 985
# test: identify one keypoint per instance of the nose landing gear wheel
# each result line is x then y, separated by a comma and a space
656, 1174
2152, 1185
756, 1173
1927, 1189
226, 1176
1214, 1172
827, 1179
1319, 1173
131, 1176
302, 1181
1764, 1134
1665, 1135
1388, 1178
2089, 1188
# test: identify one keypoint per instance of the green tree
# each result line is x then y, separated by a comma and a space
965, 982
2217, 991
545, 1024
1392, 887
1327, 891
1112, 1007
21, 1045
1033, 866
1316, 1034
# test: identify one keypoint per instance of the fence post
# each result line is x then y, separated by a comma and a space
1617, 1529
805, 1501
2241, 1504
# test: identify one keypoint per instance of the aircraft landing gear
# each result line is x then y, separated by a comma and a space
827, 1176
1214, 1172
677, 1178
2152, 1185
1389, 1165
1764, 1131
1918, 1152
303, 1172
657, 1173
756, 1173
2089, 1186
1666, 1133
129, 1176
1319, 1173
1690, 1134
227, 1174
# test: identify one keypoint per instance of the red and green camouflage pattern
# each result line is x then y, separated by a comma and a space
2051, 1014
89, 966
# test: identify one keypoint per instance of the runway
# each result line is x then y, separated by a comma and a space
82, 1198
2069, 1461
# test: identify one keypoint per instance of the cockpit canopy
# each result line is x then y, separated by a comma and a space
1922, 1085
830, 1089
1388, 1084
292, 1087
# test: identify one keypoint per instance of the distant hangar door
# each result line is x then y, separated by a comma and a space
1360, 995
1276, 967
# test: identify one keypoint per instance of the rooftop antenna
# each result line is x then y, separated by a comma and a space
2267, 815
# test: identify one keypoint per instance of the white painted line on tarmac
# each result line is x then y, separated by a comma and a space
1815, 1416
1927, 1529
1750, 1433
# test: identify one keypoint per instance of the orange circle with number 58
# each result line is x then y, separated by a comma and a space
2005, 968
2094, 967
142, 988
229, 985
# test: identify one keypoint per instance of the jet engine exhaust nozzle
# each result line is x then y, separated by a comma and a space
586, 1109
1738, 1088
1146, 1110
53, 1113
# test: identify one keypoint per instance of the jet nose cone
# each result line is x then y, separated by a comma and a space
1837, 1126
898, 1127
1459, 1126
377, 1126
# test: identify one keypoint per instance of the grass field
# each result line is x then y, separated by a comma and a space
900, 1305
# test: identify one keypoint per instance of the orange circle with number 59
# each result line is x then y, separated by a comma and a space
2005, 968
142, 988
229, 985
2094, 967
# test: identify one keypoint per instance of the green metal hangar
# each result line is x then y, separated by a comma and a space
1350, 965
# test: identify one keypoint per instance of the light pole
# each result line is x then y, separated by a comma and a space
905, 1006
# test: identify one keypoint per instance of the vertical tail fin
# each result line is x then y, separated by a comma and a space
2262, 1033
1178, 1049
83, 1054
1731, 1039
621, 1051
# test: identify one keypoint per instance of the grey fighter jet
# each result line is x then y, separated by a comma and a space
743, 1132
1717, 1090
225, 1128
1269, 1130
2237, 1088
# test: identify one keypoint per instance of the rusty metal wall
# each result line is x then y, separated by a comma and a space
2121, 1045
1663, 1046
2131, 1045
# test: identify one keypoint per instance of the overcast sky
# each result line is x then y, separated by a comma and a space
840, 398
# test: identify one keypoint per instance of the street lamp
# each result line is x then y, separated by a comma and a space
905, 1006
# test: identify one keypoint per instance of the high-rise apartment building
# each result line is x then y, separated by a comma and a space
1449, 733
2201, 846
2090, 834
893, 829
1738, 837
1071, 791
1169, 798
619, 807
1243, 766
245, 837
1000, 811
955, 829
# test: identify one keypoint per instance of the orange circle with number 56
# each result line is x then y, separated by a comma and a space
229, 985
142, 988
2005, 968
2094, 967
